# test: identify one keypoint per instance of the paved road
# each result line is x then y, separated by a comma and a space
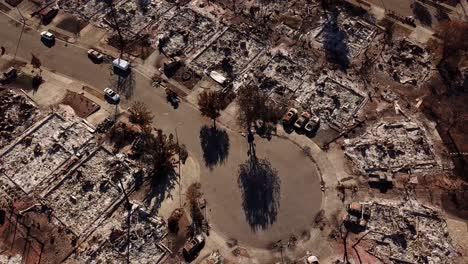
299, 192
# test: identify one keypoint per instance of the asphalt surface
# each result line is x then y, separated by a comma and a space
300, 196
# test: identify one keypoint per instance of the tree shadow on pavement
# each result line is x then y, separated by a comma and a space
161, 189
260, 186
215, 145
335, 42
422, 14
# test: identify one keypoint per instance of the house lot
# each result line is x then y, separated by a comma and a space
43, 149
229, 55
86, 193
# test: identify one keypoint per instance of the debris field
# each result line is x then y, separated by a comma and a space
406, 62
187, 31
408, 232
87, 192
109, 243
17, 113
43, 149
391, 147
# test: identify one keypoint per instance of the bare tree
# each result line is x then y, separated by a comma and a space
210, 104
139, 114
193, 194
117, 27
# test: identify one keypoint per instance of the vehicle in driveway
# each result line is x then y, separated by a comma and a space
288, 118
47, 36
193, 246
95, 55
111, 95
302, 120
312, 124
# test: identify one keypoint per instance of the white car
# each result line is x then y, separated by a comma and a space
46, 35
95, 55
109, 93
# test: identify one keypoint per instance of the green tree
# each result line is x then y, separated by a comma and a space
210, 104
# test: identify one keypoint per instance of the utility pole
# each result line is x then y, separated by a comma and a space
117, 27
128, 206
180, 178
21, 34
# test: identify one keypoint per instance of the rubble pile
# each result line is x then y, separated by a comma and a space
134, 15
409, 232
345, 34
297, 78
406, 62
333, 102
85, 9
188, 30
43, 149
89, 191
229, 55
9, 192
146, 233
283, 73
391, 147
16, 114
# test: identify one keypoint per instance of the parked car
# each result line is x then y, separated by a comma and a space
289, 117
172, 98
302, 120
111, 95
9, 75
193, 246
410, 21
95, 55
314, 121
47, 36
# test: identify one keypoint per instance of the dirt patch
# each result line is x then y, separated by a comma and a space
72, 24
93, 92
186, 77
82, 105
11, 63
59, 35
